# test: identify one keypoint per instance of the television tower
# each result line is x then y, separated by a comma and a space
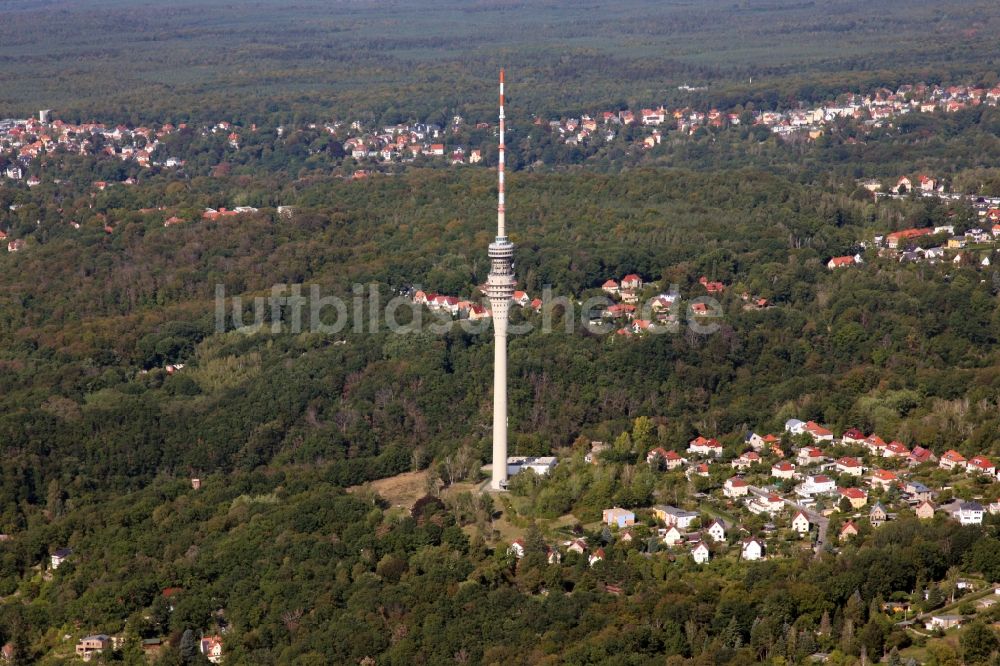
500, 290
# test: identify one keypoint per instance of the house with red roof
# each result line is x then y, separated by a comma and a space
981, 465
669, 459
818, 432
920, 455
810, 455
735, 487
883, 478
952, 459
848, 530
746, 460
706, 447
895, 449
620, 310
610, 287
211, 647
631, 281
874, 444
711, 287
897, 238
853, 436
783, 470
700, 469
856, 496
849, 465
844, 262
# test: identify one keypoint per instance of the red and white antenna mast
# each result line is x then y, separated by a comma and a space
500, 289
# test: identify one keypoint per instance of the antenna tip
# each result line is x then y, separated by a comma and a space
501, 75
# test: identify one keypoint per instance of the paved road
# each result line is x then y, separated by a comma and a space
822, 522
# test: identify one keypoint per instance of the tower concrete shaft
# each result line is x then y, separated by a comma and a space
500, 290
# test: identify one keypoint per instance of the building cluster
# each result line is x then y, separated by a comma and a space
942, 244
23, 140
871, 111
800, 482
468, 309
92, 646
404, 142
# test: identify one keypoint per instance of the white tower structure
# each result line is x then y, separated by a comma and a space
500, 289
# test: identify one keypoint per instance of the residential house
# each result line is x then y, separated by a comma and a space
920, 455
716, 530
849, 465
60, 556
706, 447
211, 647
610, 287
844, 262
711, 287
576, 546
656, 455
700, 553
618, 516
925, 510
783, 470
795, 426
895, 450
818, 432
917, 491
848, 530
735, 487
800, 523
810, 455
875, 445
671, 515
700, 469
755, 441
631, 282
772, 504
883, 478
816, 484
853, 436
669, 459
951, 460
968, 513
877, 514
596, 556
944, 622
593, 457
92, 645
981, 465
746, 460
855, 496
672, 536
752, 549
